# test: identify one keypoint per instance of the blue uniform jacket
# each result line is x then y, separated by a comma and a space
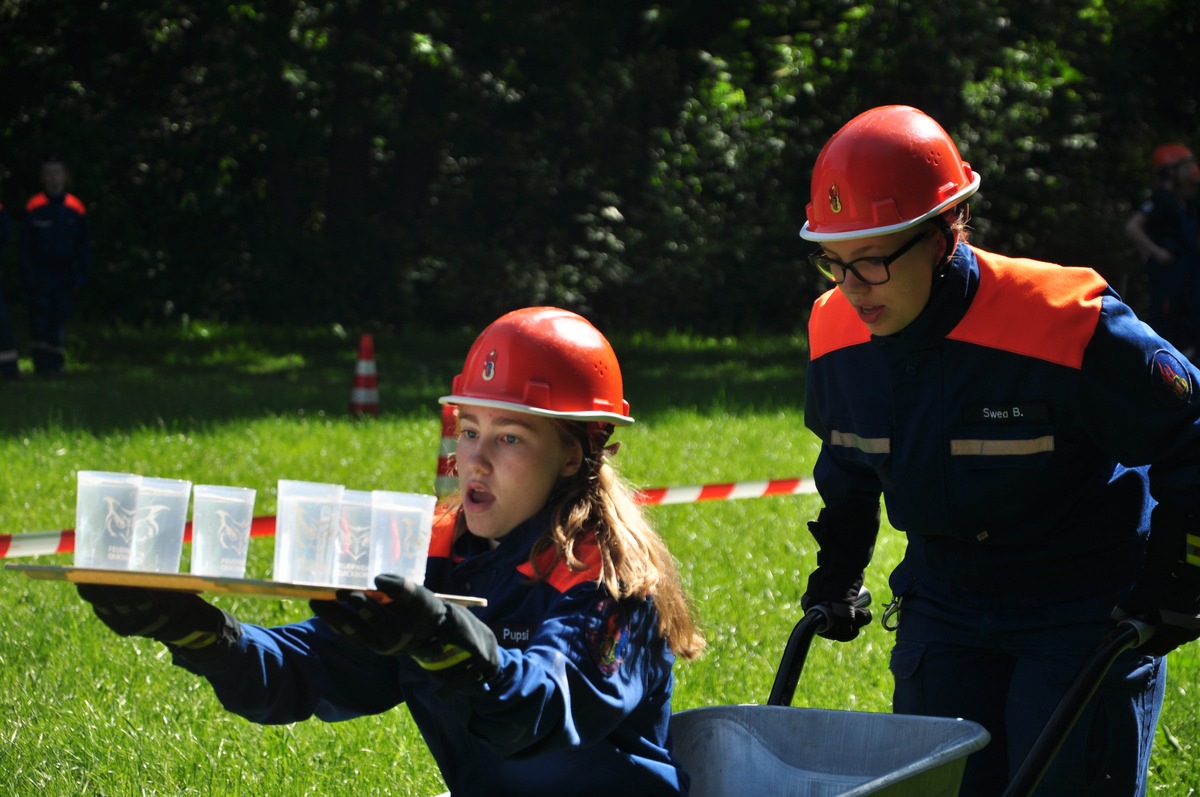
56, 248
1019, 429
581, 704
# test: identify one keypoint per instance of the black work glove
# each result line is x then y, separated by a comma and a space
443, 638
1167, 594
177, 619
844, 617
846, 536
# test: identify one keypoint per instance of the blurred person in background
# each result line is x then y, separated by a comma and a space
8, 344
1165, 231
1038, 444
56, 256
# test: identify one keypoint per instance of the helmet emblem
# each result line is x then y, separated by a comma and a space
835, 200
489, 366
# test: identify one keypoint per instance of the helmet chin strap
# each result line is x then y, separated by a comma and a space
949, 237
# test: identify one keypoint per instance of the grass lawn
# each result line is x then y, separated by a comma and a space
83, 712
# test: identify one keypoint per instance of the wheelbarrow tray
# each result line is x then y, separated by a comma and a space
780, 751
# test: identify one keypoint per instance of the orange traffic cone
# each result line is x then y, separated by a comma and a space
446, 480
364, 398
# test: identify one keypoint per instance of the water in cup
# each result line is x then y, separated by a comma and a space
306, 531
104, 507
401, 526
353, 555
221, 520
159, 519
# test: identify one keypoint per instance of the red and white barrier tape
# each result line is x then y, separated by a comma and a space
43, 543
725, 492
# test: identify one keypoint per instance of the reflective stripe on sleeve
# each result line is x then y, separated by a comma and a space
869, 445
1193, 549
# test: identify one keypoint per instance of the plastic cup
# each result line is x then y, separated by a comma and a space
401, 526
104, 506
158, 524
221, 520
352, 558
306, 531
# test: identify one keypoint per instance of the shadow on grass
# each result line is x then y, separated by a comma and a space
205, 375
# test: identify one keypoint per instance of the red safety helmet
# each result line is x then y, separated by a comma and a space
543, 361
886, 170
1170, 154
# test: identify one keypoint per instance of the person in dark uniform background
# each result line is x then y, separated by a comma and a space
1165, 230
56, 257
8, 345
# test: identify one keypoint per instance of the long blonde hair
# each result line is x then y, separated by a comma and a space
635, 562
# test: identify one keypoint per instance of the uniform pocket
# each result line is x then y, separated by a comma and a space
906, 659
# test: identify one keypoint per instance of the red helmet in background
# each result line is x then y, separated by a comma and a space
543, 361
1170, 154
886, 170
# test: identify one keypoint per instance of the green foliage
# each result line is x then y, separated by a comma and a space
83, 712
369, 162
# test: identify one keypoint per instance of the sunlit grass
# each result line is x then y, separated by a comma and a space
83, 712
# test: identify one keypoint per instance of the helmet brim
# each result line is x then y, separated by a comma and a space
588, 416
809, 234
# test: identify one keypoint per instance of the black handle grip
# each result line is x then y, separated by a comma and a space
1127, 634
815, 621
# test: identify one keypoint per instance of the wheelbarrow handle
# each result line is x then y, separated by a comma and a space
1128, 634
816, 620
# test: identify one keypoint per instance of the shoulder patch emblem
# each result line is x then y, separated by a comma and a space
1169, 379
608, 637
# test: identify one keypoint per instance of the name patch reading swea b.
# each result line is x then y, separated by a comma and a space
1003, 412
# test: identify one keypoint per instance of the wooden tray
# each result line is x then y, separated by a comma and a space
186, 582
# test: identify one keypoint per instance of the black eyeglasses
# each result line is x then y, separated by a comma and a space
871, 270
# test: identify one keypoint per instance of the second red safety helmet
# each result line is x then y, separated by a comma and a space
1168, 154
886, 170
543, 361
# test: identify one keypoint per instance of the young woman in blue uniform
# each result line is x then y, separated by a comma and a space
1037, 443
562, 684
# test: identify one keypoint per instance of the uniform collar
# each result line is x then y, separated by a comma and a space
952, 294
515, 546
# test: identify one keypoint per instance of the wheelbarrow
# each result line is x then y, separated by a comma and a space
775, 750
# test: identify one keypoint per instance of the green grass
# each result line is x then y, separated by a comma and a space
83, 712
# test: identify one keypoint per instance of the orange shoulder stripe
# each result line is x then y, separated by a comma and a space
1034, 309
561, 577
834, 325
36, 202
75, 204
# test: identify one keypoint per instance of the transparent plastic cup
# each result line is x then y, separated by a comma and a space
401, 526
221, 520
306, 531
352, 558
104, 507
158, 524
